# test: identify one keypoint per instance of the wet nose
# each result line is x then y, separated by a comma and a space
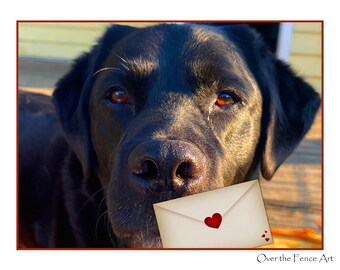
166, 165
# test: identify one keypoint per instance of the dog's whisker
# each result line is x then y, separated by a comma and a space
110, 232
235, 166
101, 202
104, 69
107, 223
97, 223
126, 67
121, 58
90, 199
125, 61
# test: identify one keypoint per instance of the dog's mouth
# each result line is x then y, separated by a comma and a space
134, 224
134, 227
146, 238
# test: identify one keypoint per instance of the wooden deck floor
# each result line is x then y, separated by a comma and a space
293, 198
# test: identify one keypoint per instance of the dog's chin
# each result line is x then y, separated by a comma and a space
139, 239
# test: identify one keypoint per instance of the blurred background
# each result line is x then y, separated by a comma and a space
47, 49
293, 197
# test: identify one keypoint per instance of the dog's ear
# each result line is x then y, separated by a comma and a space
289, 103
291, 108
68, 104
71, 96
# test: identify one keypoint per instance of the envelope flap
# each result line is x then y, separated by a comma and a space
202, 205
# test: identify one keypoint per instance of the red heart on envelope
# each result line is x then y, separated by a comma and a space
214, 221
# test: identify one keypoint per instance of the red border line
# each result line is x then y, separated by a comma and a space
322, 136
168, 21
17, 138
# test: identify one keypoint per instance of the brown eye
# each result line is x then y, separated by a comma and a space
118, 96
225, 99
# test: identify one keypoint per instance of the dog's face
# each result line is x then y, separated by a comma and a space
172, 110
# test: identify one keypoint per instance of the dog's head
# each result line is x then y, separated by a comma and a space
172, 110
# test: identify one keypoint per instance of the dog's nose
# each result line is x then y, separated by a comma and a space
167, 165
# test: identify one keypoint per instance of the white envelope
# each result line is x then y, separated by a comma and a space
240, 219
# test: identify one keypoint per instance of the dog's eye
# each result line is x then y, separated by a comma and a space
117, 95
224, 99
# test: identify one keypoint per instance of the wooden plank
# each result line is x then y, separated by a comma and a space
293, 197
61, 40
82, 37
285, 218
306, 43
316, 129
44, 91
305, 54
79, 33
306, 66
309, 27
40, 74
29, 49
94, 26
291, 206
315, 82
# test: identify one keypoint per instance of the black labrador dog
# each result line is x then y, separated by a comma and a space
149, 115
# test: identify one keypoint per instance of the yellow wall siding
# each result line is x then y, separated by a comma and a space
306, 52
66, 41
63, 41
310, 27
